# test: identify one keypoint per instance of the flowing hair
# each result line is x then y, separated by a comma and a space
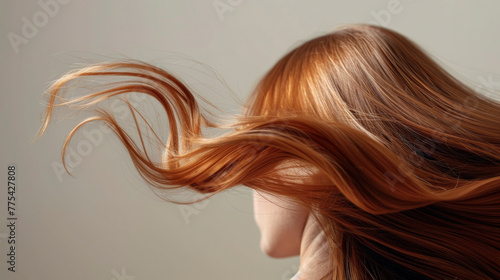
403, 159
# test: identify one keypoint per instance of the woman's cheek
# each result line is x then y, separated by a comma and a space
281, 223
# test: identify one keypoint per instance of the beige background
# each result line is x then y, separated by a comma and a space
106, 224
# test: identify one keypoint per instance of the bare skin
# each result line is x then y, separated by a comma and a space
288, 229
281, 225
314, 252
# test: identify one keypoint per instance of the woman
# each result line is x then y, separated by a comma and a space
377, 162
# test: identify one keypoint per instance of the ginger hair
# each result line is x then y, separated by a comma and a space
403, 158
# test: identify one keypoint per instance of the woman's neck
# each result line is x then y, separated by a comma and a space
315, 255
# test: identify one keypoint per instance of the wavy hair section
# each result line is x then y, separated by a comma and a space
403, 159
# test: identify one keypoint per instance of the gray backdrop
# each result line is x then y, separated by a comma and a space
105, 223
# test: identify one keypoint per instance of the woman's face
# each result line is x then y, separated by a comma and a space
281, 223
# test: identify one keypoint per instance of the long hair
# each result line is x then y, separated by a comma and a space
403, 159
